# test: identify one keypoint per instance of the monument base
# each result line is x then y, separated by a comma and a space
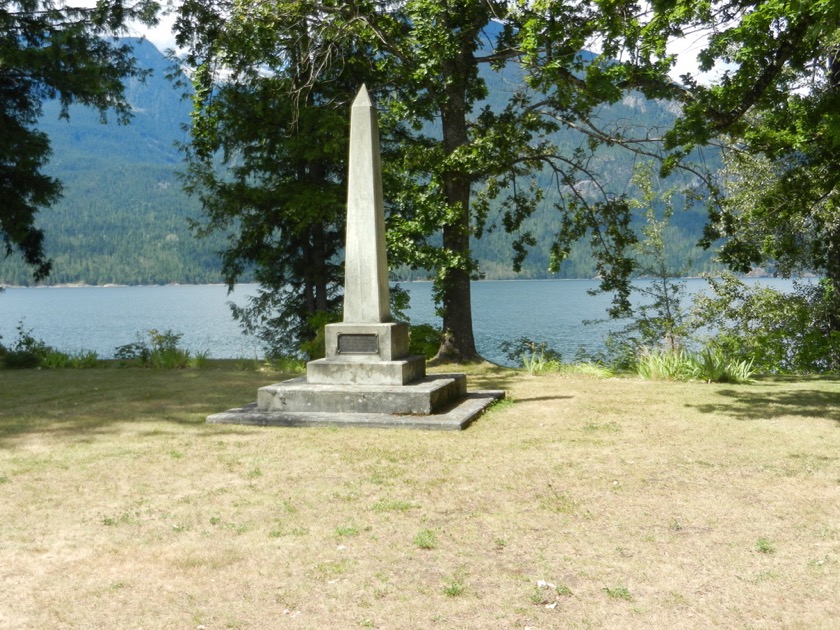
367, 378
456, 417
386, 341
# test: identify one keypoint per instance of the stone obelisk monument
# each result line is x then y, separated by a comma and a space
365, 262
367, 348
367, 377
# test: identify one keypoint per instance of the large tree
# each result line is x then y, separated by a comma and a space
459, 156
775, 108
776, 93
49, 50
449, 155
267, 154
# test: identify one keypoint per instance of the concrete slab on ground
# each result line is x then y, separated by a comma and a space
457, 417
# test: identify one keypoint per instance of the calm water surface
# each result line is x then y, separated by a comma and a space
103, 318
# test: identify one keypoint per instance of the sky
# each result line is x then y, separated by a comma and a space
161, 36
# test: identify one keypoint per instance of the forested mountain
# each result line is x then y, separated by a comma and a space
125, 220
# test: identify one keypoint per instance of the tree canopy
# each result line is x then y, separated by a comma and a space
49, 50
459, 166
775, 109
267, 155
449, 155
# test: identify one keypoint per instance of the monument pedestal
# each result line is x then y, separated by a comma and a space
367, 370
402, 372
455, 418
426, 396
435, 401
366, 354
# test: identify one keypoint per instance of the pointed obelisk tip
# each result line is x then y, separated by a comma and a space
362, 98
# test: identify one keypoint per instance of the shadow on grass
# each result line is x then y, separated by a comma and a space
482, 375
81, 403
542, 398
812, 398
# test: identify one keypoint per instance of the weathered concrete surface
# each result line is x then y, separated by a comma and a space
459, 416
425, 396
391, 341
365, 262
366, 348
402, 372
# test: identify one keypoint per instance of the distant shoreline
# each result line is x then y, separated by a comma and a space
79, 285
755, 274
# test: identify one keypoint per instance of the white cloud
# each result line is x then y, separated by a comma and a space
161, 35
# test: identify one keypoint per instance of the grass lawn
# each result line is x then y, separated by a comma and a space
583, 503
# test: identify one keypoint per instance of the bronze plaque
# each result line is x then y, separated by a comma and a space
358, 344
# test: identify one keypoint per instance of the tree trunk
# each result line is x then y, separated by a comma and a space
458, 343
315, 271
319, 268
831, 294
832, 267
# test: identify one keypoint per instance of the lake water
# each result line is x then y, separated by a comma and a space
103, 318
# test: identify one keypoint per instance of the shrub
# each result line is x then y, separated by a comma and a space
200, 360
26, 342
778, 332
314, 344
665, 365
55, 359
539, 362
586, 368
165, 351
137, 351
170, 358
713, 366
161, 351
21, 360
26, 352
83, 360
289, 365
536, 357
710, 365
424, 339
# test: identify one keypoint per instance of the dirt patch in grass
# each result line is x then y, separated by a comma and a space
583, 503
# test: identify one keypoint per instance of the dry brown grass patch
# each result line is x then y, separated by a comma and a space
584, 503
